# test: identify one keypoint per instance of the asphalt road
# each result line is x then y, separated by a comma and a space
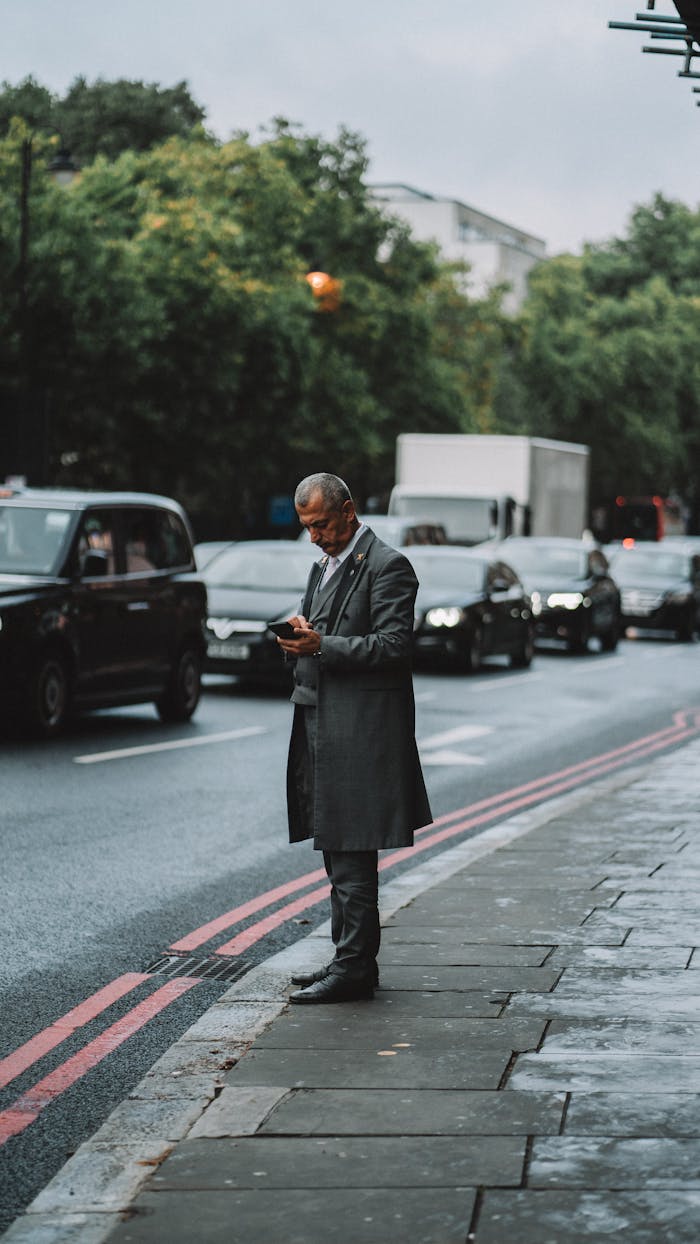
115, 847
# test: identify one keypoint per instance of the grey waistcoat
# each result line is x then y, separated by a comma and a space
306, 671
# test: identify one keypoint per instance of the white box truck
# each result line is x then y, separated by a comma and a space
483, 487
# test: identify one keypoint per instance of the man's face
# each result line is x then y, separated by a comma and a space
330, 529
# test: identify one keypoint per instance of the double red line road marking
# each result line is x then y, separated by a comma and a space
29, 1105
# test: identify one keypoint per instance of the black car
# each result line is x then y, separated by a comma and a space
574, 595
660, 585
470, 605
99, 606
250, 584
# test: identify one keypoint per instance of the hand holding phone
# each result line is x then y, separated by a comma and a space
285, 630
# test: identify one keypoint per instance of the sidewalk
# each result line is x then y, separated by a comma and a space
528, 1072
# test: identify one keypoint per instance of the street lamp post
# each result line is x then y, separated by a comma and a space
31, 422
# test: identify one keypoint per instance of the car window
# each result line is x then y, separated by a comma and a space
31, 538
458, 573
96, 535
154, 540
533, 559
632, 564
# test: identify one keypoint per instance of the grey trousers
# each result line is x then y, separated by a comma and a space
354, 886
354, 911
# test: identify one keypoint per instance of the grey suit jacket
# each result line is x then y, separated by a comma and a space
367, 784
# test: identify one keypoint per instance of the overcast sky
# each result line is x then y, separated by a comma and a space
531, 110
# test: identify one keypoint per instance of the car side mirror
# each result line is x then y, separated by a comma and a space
95, 564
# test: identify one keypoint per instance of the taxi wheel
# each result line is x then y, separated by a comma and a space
47, 704
686, 630
475, 651
181, 696
522, 658
579, 643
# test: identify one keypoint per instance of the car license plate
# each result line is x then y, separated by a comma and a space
228, 651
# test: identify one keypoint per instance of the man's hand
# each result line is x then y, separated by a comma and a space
306, 642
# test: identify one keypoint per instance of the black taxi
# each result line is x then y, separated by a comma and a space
100, 605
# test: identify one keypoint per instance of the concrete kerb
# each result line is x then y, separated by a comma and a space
83, 1203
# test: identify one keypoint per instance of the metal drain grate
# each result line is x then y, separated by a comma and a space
211, 967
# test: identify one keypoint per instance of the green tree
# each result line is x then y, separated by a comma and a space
171, 323
103, 118
607, 371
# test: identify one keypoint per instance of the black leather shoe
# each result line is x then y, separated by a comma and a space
310, 978
333, 988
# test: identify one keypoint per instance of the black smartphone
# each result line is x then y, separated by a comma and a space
285, 630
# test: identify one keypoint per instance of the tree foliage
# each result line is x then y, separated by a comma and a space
102, 118
171, 322
171, 332
609, 354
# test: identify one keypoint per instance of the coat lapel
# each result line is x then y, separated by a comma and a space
352, 573
316, 571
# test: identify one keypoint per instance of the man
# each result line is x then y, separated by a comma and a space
354, 782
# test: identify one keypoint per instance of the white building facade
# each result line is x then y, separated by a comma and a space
497, 253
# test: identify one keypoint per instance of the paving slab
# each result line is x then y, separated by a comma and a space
548, 908
670, 1114
239, 1111
441, 979
449, 1003
601, 1162
660, 934
623, 1036
344, 1162
429, 1112
473, 954
604, 992
413, 1216
649, 902
637, 955
387, 1067
512, 935
584, 1072
640, 1217
318, 1029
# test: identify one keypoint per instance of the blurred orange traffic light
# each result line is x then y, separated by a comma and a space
325, 289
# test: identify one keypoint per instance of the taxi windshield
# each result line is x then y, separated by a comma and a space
32, 538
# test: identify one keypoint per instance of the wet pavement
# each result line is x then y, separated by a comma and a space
528, 1071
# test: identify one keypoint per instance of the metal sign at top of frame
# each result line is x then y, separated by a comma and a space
674, 35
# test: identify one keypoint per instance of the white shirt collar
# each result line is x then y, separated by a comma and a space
349, 546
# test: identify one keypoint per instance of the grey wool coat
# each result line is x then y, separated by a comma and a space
368, 786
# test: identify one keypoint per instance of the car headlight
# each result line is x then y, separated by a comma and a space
536, 602
565, 600
444, 617
223, 628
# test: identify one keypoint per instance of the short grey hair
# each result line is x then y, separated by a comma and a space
332, 488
